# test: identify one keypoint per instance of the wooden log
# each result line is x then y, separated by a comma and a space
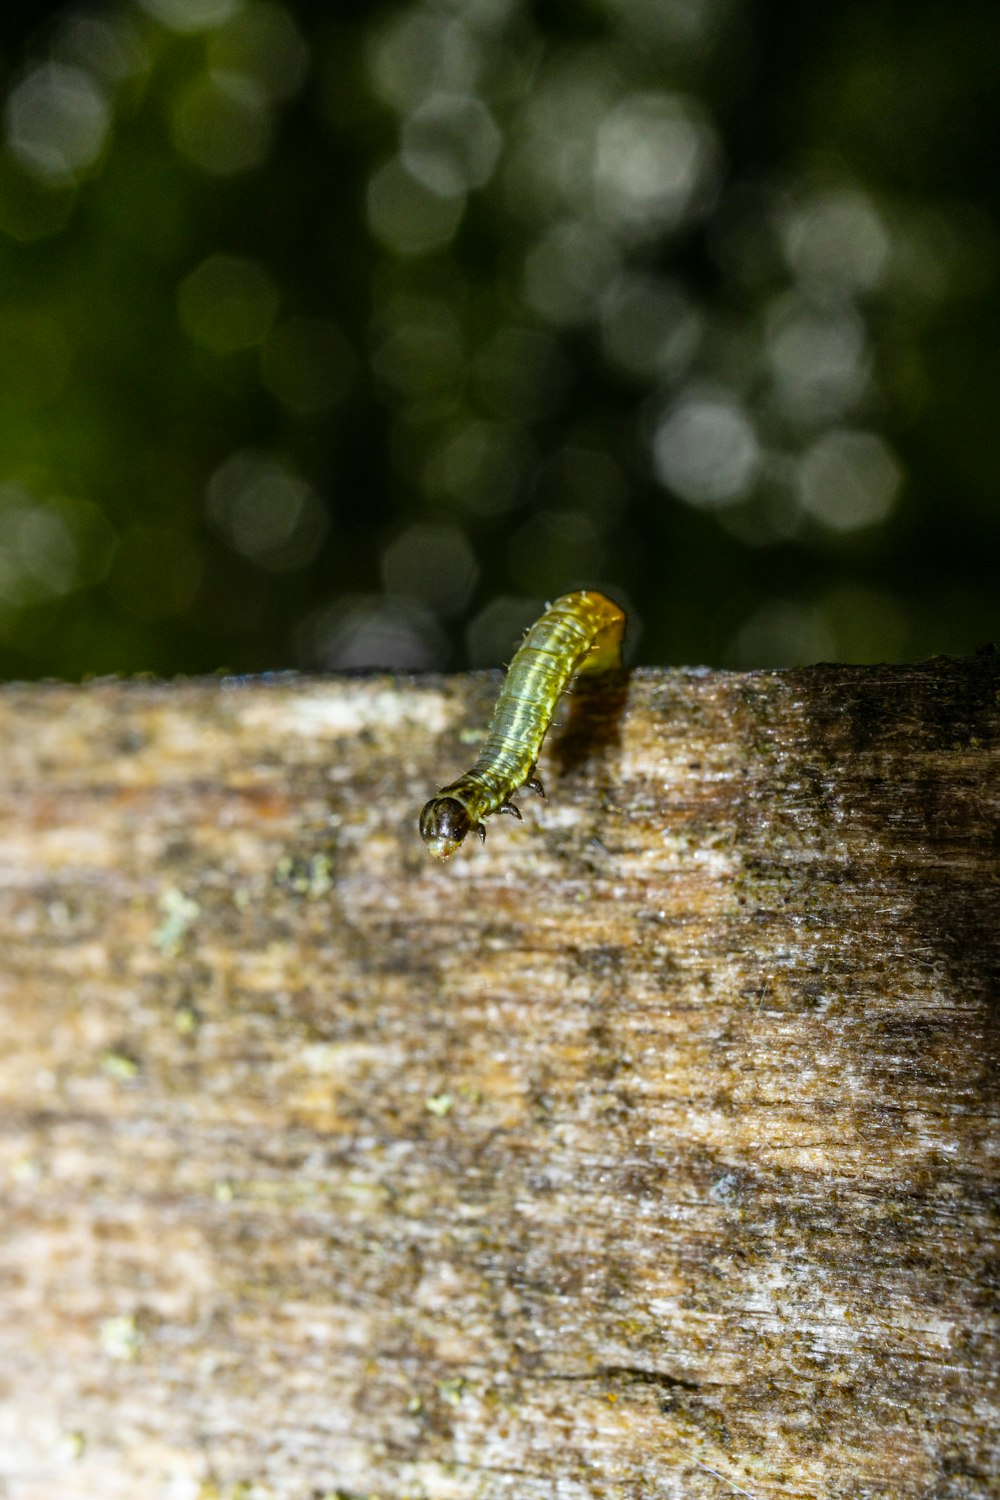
648, 1151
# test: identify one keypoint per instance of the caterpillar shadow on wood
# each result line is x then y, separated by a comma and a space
590, 730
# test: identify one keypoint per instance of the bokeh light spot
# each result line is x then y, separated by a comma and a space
108, 47
38, 552
227, 303
261, 43
420, 53
191, 15
495, 633
479, 465
266, 510
369, 632
819, 358
566, 271
434, 565
784, 633
706, 450
670, 24
417, 345
550, 168
451, 143
655, 160
405, 216
220, 123
848, 480
837, 239
57, 121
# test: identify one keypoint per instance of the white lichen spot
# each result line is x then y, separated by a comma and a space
119, 1337
312, 877
71, 1446
439, 1104
179, 911
186, 1020
120, 1067
725, 1187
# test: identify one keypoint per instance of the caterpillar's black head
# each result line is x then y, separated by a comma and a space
444, 823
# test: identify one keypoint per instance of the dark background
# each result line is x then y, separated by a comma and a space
346, 336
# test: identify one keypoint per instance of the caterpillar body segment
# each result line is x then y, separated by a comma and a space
579, 632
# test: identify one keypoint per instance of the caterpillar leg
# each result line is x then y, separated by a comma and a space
533, 783
512, 808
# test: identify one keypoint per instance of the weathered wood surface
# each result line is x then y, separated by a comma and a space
652, 1139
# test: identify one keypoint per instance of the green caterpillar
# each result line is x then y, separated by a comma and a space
579, 632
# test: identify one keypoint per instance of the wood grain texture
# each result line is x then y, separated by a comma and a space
648, 1152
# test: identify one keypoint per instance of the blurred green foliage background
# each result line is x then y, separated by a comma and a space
344, 336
